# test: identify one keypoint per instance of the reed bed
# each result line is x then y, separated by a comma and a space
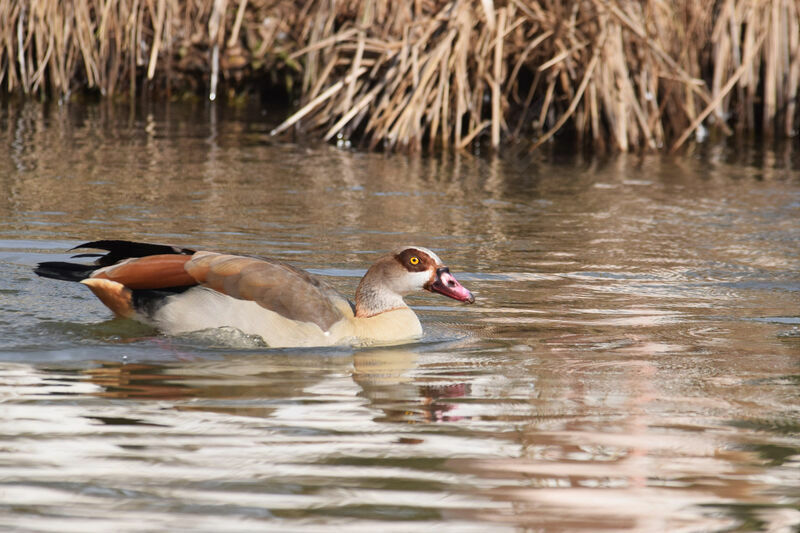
431, 74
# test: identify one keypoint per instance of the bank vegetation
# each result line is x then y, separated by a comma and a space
431, 74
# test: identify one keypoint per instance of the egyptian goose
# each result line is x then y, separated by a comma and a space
179, 290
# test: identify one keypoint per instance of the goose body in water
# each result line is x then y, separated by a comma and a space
179, 290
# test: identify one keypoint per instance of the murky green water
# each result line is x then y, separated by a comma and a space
632, 362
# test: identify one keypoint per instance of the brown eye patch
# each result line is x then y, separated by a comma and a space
414, 260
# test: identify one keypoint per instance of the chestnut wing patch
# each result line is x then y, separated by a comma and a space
150, 272
276, 286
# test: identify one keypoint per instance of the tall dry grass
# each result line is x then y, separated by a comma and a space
616, 74
54, 47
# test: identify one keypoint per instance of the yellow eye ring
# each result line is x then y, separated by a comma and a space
414, 260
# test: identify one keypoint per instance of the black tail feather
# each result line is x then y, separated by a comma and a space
117, 251
64, 271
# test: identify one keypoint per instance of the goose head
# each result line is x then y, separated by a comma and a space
405, 270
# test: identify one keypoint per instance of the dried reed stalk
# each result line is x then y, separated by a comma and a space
435, 73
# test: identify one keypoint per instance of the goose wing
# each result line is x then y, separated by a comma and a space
276, 286
281, 288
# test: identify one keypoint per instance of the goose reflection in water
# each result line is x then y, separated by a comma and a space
255, 385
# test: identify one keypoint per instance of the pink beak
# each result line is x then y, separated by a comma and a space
445, 283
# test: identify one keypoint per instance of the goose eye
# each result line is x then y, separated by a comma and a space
414, 260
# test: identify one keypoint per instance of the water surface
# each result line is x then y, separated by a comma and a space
631, 362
